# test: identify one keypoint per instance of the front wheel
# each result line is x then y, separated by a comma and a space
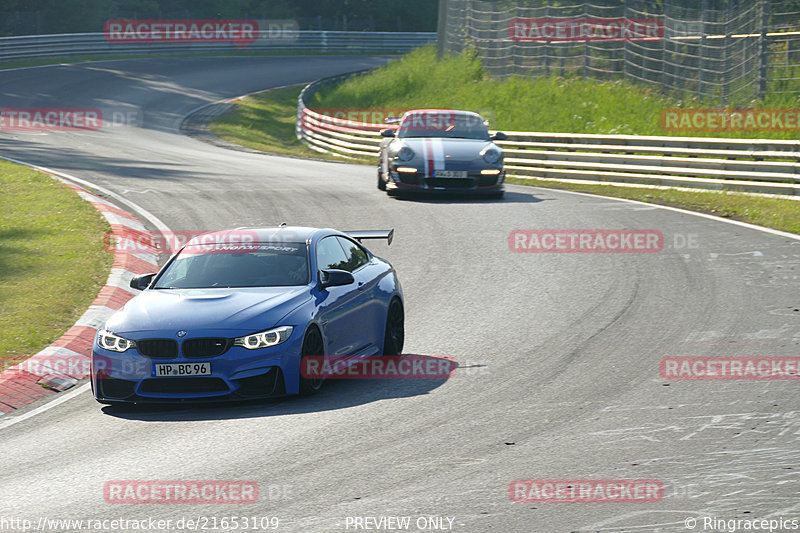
312, 346
395, 329
381, 183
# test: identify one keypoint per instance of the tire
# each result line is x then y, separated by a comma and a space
394, 335
381, 183
312, 345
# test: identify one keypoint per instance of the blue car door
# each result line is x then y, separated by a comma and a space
371, 312
339, 311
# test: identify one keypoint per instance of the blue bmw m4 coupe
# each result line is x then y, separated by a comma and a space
233, 314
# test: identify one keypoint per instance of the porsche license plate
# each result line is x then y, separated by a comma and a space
449, 173
181, 369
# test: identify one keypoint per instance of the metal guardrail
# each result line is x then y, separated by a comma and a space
95, 44
328, 134
748, 165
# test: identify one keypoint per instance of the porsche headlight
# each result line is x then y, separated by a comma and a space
405, 154
491, 156
264, 339
109, 341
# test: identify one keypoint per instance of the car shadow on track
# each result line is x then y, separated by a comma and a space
453, 198
335, 394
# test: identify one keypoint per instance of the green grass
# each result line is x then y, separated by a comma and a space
556, 104
777, 213
52, 260
265, 122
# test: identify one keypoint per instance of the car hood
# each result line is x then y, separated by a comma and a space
456, 149
241, 309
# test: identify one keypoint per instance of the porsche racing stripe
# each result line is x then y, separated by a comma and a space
434, 156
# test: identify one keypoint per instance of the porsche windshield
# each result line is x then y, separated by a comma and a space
445, 124
247, 265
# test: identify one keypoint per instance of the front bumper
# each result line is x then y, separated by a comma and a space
237, 374
474, 183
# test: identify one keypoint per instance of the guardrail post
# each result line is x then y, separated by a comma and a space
726, 75
664, 49
546, 46
726, 64
441, 30
701, 52
763, 48
515, 59
625, 72
586, 50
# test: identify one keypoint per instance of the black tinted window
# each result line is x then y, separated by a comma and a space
252, 265
356, 257
444, 124
330, 254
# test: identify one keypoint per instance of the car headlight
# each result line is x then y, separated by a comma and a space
405, 154
264, 339
491, 156
109, 341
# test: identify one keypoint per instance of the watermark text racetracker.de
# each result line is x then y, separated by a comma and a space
586, 241
76, 365
172, 492
238, 32
584, 29
50, 119
685, 120
177, 31
730, 368
143, 524
586, 491
132, 241
347, 116
56, 119
598, 241
378, 367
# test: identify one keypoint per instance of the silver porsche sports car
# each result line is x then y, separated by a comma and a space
440, 150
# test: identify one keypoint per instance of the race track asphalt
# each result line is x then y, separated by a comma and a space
559, 352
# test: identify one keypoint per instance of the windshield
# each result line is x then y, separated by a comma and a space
446, 124
251, 265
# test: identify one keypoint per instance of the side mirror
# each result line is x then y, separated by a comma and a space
140, 283
333, 277
499, 136
387, 133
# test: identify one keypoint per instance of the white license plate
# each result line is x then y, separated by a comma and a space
181, 369
449, 173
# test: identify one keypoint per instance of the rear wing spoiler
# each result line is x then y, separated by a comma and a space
387, 234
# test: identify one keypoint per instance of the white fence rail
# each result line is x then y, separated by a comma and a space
95, 44
748, 165
328, 134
